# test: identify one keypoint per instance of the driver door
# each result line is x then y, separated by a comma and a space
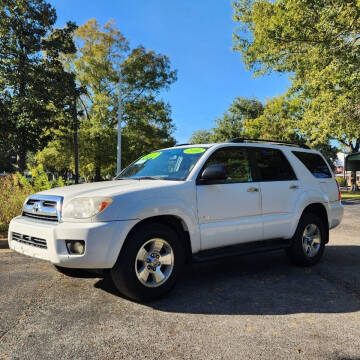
229, 211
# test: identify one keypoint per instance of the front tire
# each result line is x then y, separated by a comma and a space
308, 243
149, 263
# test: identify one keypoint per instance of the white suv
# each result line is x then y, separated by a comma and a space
182, 204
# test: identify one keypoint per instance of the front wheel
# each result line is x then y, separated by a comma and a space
149, 263
308, 243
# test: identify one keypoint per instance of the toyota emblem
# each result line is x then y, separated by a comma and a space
36, 207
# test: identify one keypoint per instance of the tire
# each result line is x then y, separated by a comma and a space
311, 230
137, 272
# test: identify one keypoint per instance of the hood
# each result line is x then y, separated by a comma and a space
106, 188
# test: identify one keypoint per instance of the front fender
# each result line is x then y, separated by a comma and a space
142, 208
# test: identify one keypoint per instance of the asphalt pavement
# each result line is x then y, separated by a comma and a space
254, 307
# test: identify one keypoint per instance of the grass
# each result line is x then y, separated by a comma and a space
346, 195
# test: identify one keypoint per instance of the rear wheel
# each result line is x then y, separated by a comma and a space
149, 263
308, 243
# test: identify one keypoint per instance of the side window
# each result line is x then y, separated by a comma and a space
272, 165
236, 163
314, 163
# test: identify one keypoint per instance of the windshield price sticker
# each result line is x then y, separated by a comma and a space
194, 151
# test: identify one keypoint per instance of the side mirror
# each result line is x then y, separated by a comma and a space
213, 173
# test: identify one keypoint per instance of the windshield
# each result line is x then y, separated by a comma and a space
172, 164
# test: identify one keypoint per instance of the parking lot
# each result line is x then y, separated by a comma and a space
248, 308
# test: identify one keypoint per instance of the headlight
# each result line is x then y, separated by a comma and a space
85, 207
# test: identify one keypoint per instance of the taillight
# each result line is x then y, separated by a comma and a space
339, 191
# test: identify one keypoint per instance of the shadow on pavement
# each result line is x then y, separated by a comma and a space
265, 284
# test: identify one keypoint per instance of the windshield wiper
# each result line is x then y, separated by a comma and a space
148, 178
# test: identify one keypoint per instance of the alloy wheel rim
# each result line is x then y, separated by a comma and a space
311, 240
154, 262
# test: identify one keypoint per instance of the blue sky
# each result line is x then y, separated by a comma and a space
197, 36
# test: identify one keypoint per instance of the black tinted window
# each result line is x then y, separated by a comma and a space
235, 162
272, 165
314, 163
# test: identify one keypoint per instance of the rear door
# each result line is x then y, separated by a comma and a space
321, 173
280, 190
229, 211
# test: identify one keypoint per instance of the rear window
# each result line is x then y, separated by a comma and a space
314, 163
272, 165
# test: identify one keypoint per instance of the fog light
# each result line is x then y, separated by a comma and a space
76, 247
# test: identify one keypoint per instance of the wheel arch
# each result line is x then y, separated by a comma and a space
175, 222
320, 210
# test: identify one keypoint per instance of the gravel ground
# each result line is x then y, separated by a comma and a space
254, 307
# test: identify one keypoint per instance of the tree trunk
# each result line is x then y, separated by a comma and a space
97, 172
354, 186
21, 160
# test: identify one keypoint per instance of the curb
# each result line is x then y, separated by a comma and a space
4, 244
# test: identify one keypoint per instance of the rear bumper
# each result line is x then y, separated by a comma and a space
336, 213
103, 241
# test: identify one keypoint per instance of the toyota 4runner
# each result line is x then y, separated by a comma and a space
182, 204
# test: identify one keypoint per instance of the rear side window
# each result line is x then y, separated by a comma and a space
314, 163
272, 165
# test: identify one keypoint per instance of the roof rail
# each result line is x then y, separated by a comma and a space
181, 145
275, 142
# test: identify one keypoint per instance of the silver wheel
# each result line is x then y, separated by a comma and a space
311, 240
154, 262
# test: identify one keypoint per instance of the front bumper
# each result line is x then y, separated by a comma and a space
103, 241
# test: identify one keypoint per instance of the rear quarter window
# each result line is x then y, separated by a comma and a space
314, 163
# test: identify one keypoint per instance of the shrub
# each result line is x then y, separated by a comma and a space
12, 197
14, 189
341, 181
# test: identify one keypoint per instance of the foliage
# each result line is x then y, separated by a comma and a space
279, 119
341, 180
241, 111
12, 196
3, 227
318, 43
14, 189
102, 53
33, 84
201, 137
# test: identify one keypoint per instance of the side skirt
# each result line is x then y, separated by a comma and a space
241, 249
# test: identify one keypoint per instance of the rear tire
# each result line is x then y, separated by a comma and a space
149, 263
308, 243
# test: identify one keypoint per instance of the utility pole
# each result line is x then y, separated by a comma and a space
118, 167
76, 142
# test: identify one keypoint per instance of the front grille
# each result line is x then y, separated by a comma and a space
43, 207
29, 240
53, 218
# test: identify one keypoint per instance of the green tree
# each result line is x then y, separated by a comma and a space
102, 52
231, 124
279, 121
33, 83
201, 137
317, 42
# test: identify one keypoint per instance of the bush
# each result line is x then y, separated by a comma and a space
341, 181
12, 197
14, 189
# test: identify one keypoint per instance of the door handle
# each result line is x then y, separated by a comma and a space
293, 187
253, 189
